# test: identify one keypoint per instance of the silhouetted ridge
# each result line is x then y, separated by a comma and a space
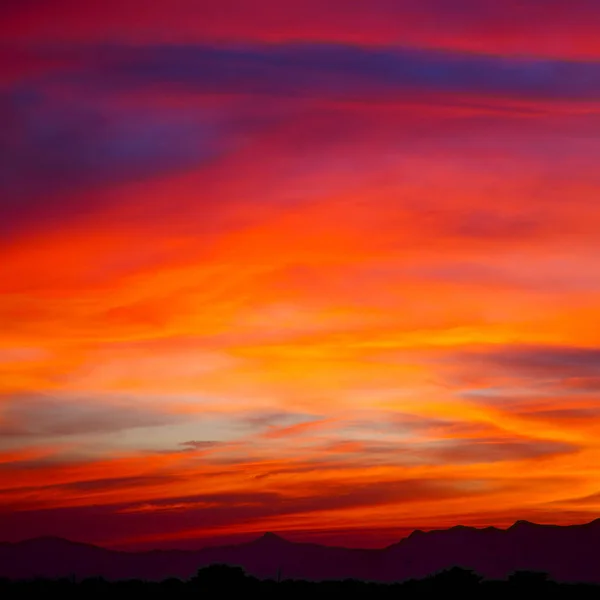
269, 535
270, 538
566, 553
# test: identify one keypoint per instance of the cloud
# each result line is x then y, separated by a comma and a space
193, 513
117, 115
334, 71
565, 414
513, 27
450, 451
574, 369
52, 148
591, 500
90, 125
297, 429
492, 450
93, 485
574, 361
266, 422
199, 445
39, 416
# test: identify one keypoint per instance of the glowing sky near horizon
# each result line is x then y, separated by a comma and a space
329, 269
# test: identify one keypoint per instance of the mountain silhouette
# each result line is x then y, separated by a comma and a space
567, 553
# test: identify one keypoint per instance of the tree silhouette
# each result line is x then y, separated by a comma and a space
456, 578
222, 581
219, 576
529, 578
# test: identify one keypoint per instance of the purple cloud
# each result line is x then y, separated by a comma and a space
334, 71
51, 148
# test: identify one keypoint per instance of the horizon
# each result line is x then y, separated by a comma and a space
329, 269
244, 539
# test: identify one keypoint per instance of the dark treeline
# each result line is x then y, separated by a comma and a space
223, 581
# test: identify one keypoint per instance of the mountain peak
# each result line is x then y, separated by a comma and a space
415, 533
269, 536
522, 524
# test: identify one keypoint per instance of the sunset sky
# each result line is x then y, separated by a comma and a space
329, 269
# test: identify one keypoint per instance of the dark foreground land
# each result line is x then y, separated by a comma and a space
222, 581
569, 554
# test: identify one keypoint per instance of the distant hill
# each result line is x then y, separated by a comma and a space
567, 553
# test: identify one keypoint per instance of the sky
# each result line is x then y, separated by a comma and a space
328, 269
